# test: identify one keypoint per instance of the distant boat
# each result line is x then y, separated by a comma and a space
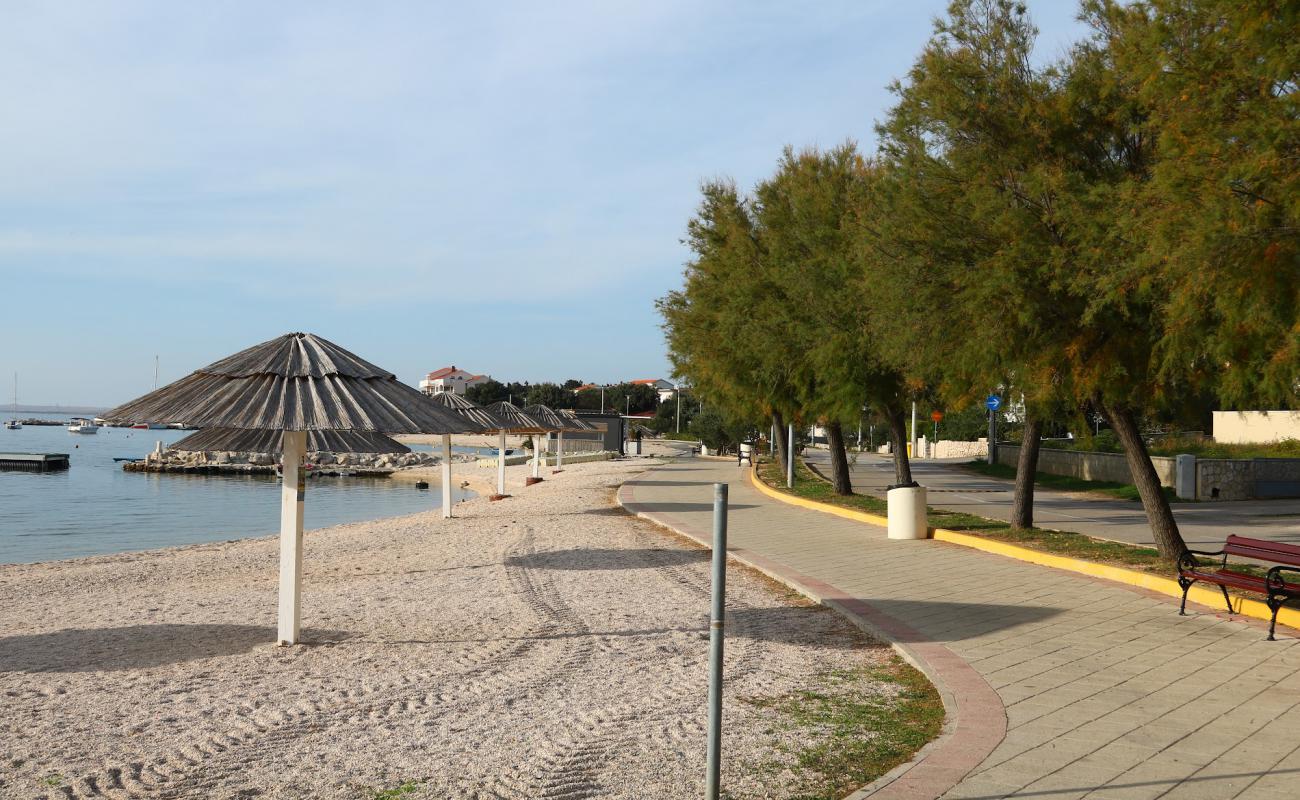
14, 425
148, 426
83, 426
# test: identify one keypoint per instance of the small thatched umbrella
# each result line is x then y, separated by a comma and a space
476, 414
235, 440
554, 421
293, 384
519, 422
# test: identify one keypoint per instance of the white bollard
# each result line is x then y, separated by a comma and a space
293, 492
907, 518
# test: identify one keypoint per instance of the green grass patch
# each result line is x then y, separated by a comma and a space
854, 727
1065, 483
812, 486
52, 780
404, 790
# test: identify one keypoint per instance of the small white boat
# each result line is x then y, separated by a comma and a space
14, 425
83, 426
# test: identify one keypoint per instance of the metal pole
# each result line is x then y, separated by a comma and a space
602, 399
993, 437
716, 622
913, 453
679, 409
789, 458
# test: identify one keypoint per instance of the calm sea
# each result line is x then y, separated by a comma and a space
96, 508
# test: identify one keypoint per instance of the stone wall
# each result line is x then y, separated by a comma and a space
1247, 479
1087, 466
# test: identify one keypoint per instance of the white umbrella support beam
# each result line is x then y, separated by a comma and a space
501, 462
292, 494
446, 476
539, 446
559, 450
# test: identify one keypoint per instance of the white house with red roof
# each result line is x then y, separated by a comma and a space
450, 379
663, 387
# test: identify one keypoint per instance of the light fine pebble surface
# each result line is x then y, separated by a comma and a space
547, 645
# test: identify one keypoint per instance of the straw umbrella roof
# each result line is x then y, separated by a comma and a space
582, 424
244, 441
553, 420
296, 382
470, 410
519, 421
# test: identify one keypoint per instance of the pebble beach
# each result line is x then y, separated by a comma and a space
547, 645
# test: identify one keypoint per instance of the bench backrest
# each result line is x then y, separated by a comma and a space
1263, 550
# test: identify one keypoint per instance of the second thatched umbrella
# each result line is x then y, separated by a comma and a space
519, 422
476, 414
293, 384
556, 422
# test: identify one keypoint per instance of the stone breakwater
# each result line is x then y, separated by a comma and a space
369, 465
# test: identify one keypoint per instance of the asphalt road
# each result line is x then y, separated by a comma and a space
1204, 525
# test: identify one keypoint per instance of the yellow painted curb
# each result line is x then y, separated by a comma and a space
1206, 596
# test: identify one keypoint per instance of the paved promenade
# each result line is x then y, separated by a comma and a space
1203, 525
1058, 686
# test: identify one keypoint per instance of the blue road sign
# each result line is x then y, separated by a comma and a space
993, 403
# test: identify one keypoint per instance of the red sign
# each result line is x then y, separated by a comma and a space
936, 415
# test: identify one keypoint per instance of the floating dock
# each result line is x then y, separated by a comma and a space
34, 462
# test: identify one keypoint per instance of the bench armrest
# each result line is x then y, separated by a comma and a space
1187, 561
1274, 576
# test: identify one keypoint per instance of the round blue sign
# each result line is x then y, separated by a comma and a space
993, 403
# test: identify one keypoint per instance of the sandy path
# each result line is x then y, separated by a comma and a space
543, 646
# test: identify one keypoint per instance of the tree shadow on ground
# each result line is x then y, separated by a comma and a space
137, 646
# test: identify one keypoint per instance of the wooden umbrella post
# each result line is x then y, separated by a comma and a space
501, 462
292, 494
446, 476
538, 444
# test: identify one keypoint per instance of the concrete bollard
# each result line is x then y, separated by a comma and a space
907, 518
1185, 476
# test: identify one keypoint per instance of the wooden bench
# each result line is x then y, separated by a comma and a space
1274, 586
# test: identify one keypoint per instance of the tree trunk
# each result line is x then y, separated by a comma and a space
898, 438
1163, 526
1022, 502
779, 444
839, 459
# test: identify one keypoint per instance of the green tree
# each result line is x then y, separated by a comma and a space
549, 394
488, 392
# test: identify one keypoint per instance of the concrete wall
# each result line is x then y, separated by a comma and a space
1255, 427
1088, 466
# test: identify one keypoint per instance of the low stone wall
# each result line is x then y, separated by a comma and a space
945, 448
1087, 466
1247, 479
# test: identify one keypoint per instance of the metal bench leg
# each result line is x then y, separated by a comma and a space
1273, 605
1226, 599
1186, 584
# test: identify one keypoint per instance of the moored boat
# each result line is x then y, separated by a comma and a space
83, 426
13, 425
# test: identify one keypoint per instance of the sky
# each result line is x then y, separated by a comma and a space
502, 186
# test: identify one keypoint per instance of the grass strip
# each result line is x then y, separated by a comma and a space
1066, 483
854, 727
808, 484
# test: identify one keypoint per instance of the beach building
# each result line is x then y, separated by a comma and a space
450, 379
663, 387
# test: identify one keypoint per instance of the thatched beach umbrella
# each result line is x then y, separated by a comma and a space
293, 384
235, 440
554, 421
580, 425
477, 415
519, 422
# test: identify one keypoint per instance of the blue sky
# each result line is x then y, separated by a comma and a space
500, 186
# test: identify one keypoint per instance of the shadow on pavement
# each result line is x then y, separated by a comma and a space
609, 558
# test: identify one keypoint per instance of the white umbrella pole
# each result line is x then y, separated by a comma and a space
501, 462
446, 475
559, 450
537, 453
292, 494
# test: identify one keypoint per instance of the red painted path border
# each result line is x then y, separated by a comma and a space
976, 719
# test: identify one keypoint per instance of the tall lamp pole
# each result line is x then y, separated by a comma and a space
679, 409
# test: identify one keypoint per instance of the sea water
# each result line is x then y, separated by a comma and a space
95, 507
